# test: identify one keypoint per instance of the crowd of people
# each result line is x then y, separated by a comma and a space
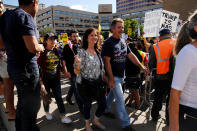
96, 71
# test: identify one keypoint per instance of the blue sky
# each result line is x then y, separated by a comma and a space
87, 5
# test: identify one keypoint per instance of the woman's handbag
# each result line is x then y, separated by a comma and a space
93, 89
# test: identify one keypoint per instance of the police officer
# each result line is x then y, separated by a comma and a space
161, 57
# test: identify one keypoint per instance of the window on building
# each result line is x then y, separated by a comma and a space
59, 24
105, 18
56, 18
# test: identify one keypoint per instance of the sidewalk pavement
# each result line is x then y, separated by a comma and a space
138, 118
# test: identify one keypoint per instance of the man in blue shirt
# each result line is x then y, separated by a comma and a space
20, 38
115, 51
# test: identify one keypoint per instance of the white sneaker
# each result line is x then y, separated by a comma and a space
49, 116
66, 120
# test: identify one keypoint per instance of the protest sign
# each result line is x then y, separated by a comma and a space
169, 20
152, 23
158, 20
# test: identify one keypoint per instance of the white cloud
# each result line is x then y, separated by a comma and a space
78, 7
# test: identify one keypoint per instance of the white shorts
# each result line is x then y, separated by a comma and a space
3, 69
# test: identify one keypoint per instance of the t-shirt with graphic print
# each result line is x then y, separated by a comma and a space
117, 50
52, 62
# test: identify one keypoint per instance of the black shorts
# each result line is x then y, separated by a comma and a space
132, 83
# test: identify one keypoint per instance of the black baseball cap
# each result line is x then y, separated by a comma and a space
1, 1
49, 35
164, 32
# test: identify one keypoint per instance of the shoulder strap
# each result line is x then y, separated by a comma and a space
99, 59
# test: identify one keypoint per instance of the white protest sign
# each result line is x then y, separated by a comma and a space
169, 20
158, 20
152, 23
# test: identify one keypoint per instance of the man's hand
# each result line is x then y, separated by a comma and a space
145, 70
43, 89
67, 75
41, 47
111, 83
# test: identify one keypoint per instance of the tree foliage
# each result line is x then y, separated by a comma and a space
133, 25
44, 31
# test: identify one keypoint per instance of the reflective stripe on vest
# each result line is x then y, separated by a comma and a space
159, 55
163, 52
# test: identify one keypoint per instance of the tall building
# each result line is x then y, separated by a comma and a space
126, 5
105, 15
137, 14
63, 19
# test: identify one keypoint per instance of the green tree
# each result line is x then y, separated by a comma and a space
127, 25
44, 31
133, 24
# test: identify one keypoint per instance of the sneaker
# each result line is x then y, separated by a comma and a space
110, 115
66, 120
49, 116
128, 128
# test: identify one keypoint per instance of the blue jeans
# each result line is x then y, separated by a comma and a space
53, 83
28, 89
72, 91
117, 93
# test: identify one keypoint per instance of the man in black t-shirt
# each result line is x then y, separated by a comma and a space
69, 51
115, 52
20, 37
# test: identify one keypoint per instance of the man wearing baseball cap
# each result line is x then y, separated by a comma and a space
161, 57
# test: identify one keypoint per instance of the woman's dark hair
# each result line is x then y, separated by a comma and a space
187, 33
85, 38
140, 45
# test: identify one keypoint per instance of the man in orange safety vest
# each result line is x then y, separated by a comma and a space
161, 57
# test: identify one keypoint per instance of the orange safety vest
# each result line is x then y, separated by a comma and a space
163, 52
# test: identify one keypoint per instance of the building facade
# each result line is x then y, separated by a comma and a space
105, 16
128, 5
138, 13
63, 19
